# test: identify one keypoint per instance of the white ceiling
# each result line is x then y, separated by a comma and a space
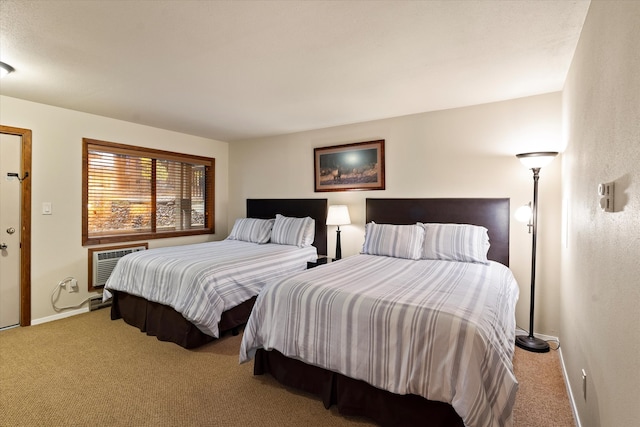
231, 70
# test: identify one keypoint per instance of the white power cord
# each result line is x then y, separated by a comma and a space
59, 286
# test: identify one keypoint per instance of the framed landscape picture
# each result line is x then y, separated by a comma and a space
358, 166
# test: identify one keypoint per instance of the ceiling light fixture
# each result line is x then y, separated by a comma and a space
5, 69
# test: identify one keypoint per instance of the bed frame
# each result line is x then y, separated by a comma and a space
355, 397
167, 324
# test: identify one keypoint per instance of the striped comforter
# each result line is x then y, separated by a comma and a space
439, 329
201, 281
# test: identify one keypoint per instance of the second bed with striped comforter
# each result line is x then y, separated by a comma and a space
442, 330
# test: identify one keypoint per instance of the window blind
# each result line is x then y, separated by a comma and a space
134, 192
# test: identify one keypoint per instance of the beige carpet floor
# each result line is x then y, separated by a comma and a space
88, 370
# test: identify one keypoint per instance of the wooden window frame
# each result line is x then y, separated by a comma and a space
113, 147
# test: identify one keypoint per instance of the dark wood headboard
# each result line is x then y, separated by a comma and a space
300, 208
490, 213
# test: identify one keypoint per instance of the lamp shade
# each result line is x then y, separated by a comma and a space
338, 215
523, 213
538, 159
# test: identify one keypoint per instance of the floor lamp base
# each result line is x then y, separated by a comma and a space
532, 344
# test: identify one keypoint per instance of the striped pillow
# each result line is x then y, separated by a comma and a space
252, 230
456, 242
399, 241
292, 231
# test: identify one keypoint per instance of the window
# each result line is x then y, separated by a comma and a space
133, 193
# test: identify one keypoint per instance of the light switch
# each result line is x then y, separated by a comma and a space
46, 208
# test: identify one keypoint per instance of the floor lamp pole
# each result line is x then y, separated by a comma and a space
529, 342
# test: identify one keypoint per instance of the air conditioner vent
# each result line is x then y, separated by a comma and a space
105, 261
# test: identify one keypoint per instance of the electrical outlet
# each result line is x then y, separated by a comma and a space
607, 193
584, 384
72, 286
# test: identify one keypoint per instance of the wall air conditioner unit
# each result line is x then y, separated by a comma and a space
104, 261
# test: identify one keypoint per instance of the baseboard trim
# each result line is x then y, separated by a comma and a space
567, 384
59, 316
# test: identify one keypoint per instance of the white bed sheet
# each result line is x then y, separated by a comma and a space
439, 329
203, 280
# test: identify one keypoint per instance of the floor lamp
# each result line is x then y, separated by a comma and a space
338, 215
534, 161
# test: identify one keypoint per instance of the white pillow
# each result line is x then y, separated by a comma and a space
456, 242
309, 233
293, 231
252, 230
399, 241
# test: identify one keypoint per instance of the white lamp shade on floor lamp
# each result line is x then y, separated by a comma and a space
537, 160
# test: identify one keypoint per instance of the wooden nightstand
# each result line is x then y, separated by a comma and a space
322, 259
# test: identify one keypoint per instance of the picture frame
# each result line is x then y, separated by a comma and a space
350, 167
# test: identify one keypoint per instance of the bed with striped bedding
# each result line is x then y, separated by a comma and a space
201, 281
441, 330
205, 282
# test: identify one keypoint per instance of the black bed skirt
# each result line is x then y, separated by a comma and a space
355, 397
166, 324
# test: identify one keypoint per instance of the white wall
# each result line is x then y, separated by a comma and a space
57, 250
600, 309
465, 152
